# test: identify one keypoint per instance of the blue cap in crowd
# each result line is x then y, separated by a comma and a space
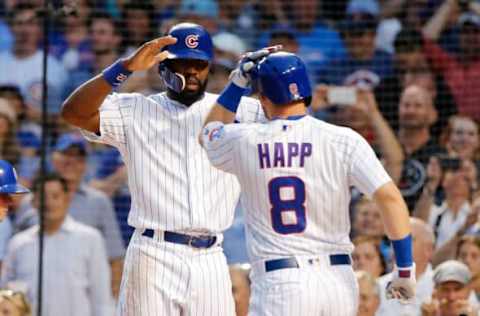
69, 140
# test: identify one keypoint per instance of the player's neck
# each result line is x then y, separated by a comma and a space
294, 109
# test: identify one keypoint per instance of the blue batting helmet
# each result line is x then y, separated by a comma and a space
193, 42
8, 180
282, 77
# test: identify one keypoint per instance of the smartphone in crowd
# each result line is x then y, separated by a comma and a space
344, 96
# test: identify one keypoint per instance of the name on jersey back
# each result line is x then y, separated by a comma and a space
283, 155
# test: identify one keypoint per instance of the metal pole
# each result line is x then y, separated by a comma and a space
43, 148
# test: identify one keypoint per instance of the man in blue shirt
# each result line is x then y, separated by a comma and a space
364, 65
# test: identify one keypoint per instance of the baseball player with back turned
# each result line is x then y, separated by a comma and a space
180, 203
296, 173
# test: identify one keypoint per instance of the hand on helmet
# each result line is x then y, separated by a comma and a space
242, 75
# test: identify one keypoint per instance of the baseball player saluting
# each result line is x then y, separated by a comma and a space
180, 203
296, 173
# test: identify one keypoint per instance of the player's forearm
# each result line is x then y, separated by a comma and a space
220, 114
84, 102
391, 149
394, 211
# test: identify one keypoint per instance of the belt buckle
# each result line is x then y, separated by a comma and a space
190, 241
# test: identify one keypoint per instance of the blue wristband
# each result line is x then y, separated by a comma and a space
403, 251
116, 74
230, 97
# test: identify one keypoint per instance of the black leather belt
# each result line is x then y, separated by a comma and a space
286, 263
177, 238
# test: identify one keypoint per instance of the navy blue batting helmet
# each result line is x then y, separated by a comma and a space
8, 180
193, 42
282, 77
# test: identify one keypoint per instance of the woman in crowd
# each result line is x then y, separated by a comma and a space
13, 304
367, 256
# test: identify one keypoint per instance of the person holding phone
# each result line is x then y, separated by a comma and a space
358, 109
457, 179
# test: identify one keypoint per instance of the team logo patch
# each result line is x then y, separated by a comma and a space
215, 133
293, 88
191, 41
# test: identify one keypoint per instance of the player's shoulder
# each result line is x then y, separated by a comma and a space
335, 132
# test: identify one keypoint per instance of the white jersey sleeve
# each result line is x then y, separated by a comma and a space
249, 111
366, 172
115, 118
220, 142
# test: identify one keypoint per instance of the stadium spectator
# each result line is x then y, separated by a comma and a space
411, 67
76, 276
367, 256
14, 303
9, 147
461, 138
88, 205
26, 134
468, 252
461, 72
105, 37
451, 292
471, 227
285, 37
71, 43
367, 219
416, 115
318, 43
423, 245
240, 287
138, 24
364, 65
228, 49
457, 180
203, 12
369, 296
365, 118
22, 65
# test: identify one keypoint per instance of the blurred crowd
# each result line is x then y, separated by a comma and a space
405, 74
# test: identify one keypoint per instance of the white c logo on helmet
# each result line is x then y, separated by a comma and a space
191, 41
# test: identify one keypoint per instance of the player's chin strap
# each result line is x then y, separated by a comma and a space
173, 80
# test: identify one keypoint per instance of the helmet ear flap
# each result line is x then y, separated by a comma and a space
173, 80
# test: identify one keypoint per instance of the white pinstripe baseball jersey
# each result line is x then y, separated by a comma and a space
173, 185
296, 177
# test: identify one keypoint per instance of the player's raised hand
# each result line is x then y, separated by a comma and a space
149, 54
241, 76
402, 286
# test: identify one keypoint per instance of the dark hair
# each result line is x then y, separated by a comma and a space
52, 176
20, 7
283, 35
11, 90
408, 41
467, 239
103, 15
376, 242
138, 5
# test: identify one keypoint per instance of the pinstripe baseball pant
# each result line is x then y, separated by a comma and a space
163, 278
310, 290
